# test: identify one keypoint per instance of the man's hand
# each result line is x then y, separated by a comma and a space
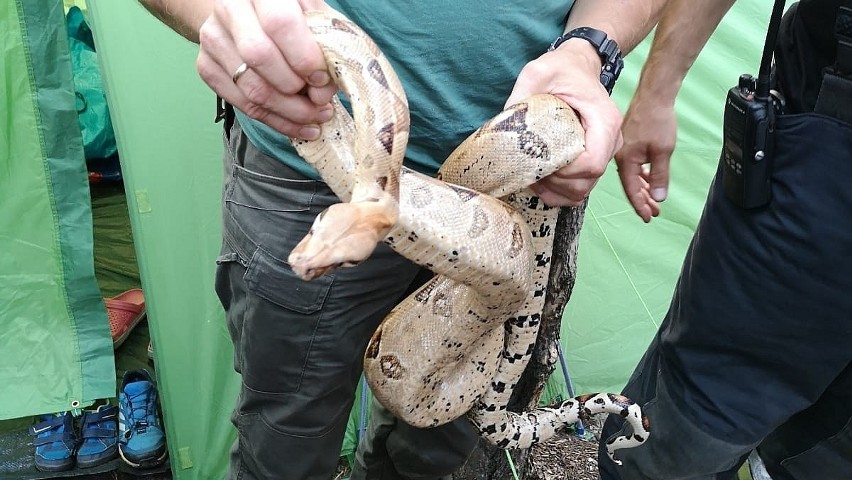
650, 127
650, 131
287, 85
572, 72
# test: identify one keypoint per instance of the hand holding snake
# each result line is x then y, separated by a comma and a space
579, 86
285, 83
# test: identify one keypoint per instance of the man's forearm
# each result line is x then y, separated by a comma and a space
625, 21
183, 16
684, 28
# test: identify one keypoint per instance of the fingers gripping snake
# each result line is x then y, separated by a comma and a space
459, 344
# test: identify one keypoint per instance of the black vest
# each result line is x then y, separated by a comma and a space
806, 47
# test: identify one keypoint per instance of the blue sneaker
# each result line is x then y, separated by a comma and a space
141, 441
55, 442
98, 433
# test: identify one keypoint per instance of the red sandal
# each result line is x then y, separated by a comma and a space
125, 311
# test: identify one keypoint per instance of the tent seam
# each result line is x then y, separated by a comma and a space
596, 219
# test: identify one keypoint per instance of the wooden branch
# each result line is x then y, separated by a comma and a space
488, 462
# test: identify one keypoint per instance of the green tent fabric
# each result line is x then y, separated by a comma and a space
627, 269
171, 149
55, 346
171, 154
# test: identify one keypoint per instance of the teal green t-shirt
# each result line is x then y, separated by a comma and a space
457, 60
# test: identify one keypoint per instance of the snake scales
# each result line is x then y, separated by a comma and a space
459, 344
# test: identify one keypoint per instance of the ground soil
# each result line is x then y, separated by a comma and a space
567, 456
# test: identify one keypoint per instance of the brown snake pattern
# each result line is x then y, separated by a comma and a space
460, 343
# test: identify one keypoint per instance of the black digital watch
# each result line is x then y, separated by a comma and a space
607, 49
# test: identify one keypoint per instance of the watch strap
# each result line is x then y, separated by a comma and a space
607, 49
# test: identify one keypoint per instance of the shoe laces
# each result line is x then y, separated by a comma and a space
140, 407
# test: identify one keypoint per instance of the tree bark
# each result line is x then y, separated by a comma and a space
488, 462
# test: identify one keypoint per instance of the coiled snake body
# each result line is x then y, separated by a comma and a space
460, 343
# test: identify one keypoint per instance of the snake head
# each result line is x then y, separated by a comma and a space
344, 235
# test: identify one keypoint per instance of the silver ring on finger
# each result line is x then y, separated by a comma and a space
243, 68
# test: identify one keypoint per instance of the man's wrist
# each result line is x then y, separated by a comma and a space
578, 46
605, 50
660, 80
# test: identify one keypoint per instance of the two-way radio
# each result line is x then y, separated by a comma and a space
749, 129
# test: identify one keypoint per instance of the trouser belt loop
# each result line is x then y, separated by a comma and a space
224, 111
835, 97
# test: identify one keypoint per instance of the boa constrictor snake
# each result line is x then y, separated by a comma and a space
459, 344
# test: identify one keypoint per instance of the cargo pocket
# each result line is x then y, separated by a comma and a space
282, 315
268, 209
230, 288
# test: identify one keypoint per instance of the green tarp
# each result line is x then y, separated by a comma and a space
55, 345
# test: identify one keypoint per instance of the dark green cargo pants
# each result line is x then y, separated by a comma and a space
299, 345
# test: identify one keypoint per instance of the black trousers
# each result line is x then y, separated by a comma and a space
756, 347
